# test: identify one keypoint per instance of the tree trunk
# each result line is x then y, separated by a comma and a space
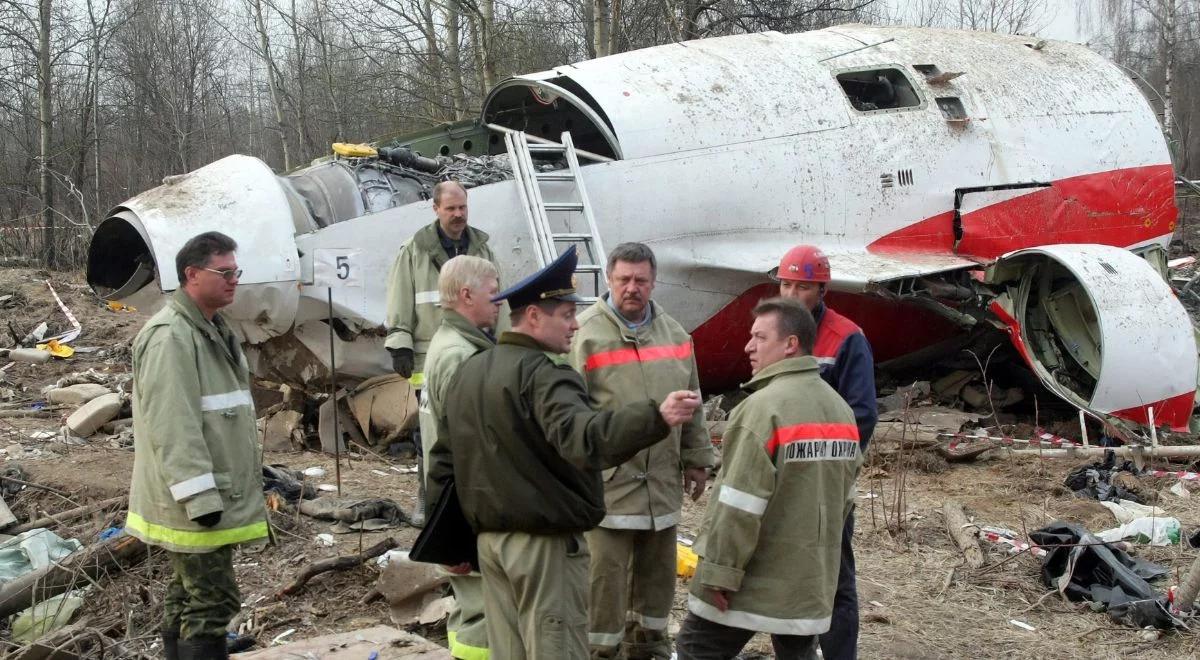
487, 24
327, 66
45, 126
303, 139
265, 44
602, 20
614, 28
454, 58
1168, 32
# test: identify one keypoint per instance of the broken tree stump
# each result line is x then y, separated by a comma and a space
956, 524
335, 564
119, 553
69, 514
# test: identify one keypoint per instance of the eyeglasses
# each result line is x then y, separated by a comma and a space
230, 274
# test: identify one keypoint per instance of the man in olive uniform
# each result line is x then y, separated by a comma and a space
527, 449
770, 542
197, 478
628, 349
466, 286
413, 302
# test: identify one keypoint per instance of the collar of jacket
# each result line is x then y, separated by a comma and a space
462, 326
428, 241
818, 312
216, 331
794, 365
629, 333
514, 338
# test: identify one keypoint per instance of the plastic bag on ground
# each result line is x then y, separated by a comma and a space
31, 551
1127, 510
1149, 529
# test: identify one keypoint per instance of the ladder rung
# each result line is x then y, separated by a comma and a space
563, 206
587, 268
547, 148
557, 175
572, 237
587, 300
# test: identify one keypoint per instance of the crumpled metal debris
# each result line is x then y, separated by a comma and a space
473, 171
1082, 567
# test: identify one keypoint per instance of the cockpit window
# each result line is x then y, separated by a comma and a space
878, 89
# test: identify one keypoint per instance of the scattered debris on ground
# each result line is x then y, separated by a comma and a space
956, 528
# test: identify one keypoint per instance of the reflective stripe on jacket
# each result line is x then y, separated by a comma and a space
620, 366
772, 532
194, 437
413, 303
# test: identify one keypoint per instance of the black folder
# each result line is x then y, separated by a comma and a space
447, 538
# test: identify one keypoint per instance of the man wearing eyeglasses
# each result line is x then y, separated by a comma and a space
197, 477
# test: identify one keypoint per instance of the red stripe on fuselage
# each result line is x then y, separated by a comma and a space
1120, 208
1175, 411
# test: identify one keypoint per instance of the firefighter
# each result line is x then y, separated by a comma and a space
197, 479
846, 364
526, 453
627, 350
466, 286
413, 310
769, 542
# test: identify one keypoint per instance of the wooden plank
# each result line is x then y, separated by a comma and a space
391, 643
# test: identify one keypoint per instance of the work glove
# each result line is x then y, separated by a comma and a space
209, 519
402, 361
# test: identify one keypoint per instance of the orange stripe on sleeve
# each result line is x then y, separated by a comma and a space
649, 354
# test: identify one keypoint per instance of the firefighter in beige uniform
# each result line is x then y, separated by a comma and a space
413, 305
197, 479
628, 349
770, 544
466, 286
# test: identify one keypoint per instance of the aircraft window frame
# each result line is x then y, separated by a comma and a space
922, 99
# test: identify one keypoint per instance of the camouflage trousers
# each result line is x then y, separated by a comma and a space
202, 597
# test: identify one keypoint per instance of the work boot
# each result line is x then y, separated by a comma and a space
170, 640
203, 648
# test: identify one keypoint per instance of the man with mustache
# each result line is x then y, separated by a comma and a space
413, 303
628, 349
525, 450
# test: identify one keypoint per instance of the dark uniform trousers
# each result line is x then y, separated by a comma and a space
202, 597
701, 639
841, 642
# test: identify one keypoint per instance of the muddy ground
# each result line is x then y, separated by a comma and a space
918, 600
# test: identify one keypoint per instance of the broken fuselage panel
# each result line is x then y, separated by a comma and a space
913, 157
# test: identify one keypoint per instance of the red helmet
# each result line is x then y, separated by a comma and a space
804, 263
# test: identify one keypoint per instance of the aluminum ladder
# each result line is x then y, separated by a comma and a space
542, 226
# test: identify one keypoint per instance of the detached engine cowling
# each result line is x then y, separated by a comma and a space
239, 196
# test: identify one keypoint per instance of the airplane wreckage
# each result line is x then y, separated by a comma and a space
956, 180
